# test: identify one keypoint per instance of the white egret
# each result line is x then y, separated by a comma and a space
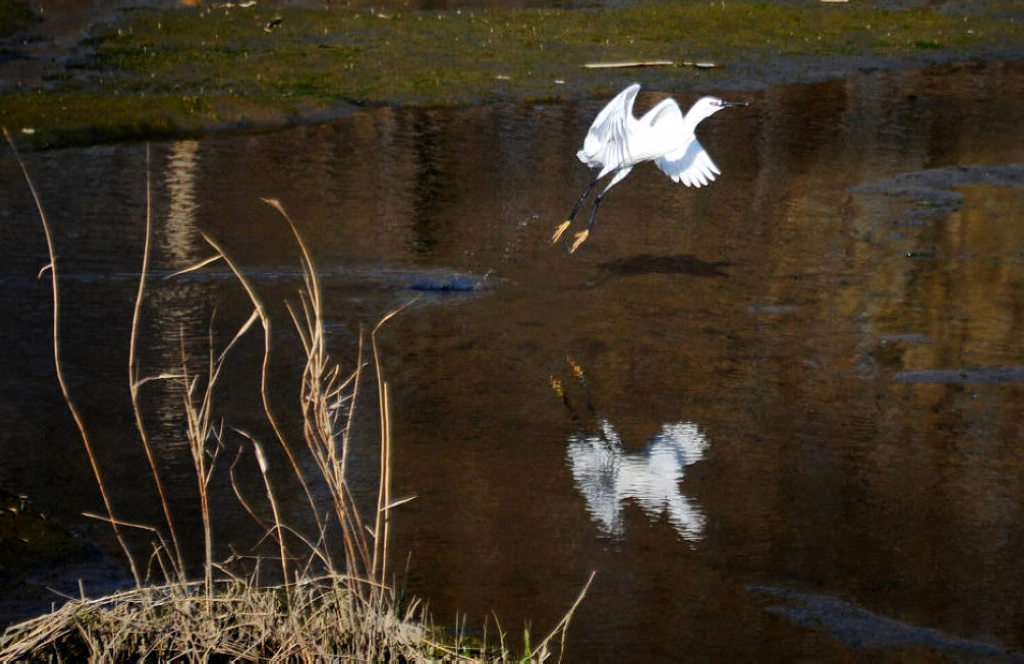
618, 141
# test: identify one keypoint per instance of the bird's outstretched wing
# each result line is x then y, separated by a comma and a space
690, 165
605, 144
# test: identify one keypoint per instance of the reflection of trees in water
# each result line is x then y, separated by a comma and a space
179, 305
180, 238
608, 475
429, 183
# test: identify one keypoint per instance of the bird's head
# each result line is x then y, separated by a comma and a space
705, 107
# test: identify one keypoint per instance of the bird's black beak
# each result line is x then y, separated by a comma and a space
727, 104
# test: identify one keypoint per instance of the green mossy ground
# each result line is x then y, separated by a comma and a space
187, 70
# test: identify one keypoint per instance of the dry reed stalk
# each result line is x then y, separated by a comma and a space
320, 403
381, 530
264, 394
134, 383
198, 430
59, 367
321, 399
278, 529
562, 628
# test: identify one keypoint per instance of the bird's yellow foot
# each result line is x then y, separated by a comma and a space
581, 237
558, 231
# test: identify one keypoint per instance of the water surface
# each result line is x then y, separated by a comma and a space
788, 422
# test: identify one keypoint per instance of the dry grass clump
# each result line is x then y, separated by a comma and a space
319, 620
331, 599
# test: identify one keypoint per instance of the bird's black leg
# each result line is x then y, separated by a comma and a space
584, 234
593, 213
583, 197
581, 237
575, 208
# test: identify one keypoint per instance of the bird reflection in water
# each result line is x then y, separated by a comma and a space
609, 475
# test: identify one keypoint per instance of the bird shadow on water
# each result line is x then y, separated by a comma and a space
648, 264
672, 264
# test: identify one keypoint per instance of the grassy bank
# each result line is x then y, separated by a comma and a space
188, 70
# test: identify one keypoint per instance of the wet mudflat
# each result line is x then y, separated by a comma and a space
779, 416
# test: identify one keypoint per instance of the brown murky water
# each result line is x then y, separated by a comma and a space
799, 433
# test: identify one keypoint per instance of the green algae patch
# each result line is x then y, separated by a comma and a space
230, 62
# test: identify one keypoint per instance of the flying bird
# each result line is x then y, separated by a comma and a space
618, 141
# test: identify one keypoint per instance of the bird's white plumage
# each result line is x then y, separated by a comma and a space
692, 166
617, 141
607, 140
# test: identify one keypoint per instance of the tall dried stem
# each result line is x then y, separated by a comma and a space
264, 319
323, 394
541, 652
322, 397
59, 367
381, 530
199, 431
134, 383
